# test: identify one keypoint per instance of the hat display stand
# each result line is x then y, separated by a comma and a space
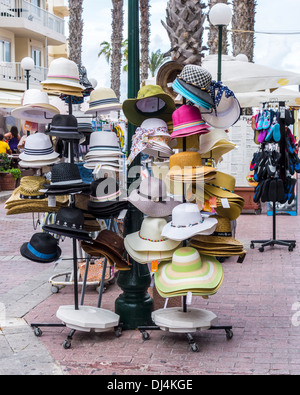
185, 319
283, 169
79, 317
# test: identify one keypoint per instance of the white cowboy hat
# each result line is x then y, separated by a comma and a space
35, 108
187, 222
38, 147
63, 72
103, 100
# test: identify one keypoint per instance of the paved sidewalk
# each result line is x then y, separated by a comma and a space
259, 298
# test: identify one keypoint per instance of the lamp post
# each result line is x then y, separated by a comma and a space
27, 64
220, 16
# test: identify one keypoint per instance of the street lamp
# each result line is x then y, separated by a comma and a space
27, 64
220, 16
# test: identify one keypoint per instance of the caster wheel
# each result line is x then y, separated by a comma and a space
146, 336
261, 249
252, 246
67, 345
195, 348
38, 332
55, 290
229, 334
118, 332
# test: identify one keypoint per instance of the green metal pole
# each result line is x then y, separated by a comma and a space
220, 53
134, 306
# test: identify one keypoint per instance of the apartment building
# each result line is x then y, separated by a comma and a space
29, 28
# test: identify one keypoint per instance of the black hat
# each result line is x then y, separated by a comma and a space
66, 178
105, 192
42, 248
69, 222
65, 127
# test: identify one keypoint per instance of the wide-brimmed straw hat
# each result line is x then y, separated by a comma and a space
42, 248
35, 108
187, 221
151, 102
63, 72
187, 120
30, 188
149, 237
103, 100
151, 198
215, 144
167, 74
189, 272
110, 245
38, 148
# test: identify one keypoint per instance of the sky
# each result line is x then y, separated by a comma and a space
277, 51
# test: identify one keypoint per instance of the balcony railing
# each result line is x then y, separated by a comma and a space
24, 9
13, 72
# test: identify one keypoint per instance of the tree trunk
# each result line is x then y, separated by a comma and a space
243, 19
145, 38
116, 43
213, 35
76, 30
185, 27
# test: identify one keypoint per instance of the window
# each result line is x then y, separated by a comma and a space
5, 51
36, 2
37, 57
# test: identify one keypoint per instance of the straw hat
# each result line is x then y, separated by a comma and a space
187, 222
151, 198
187, 121
38, 148
167, 74
63, 72
215, 144
149, 237
30, 188
151, 102
189, 272
35, 108
103, 100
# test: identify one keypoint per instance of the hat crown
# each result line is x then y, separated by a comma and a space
70, 217
65, 172
63, 67
186, 215
154, 188
149, 91
104, 139
186, 114
224, 226
185, 159
152, 228
38, 142
224, 180
112, 240
35, 96
31, 185
154, 123
186, 259
62, 120
196, 75
102, 93
105, 188
44, 243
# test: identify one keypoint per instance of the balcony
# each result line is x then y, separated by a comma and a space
12, 76
27, 20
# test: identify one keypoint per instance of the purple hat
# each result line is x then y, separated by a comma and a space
187, 121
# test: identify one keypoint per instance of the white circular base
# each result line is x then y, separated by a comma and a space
88, 318
175, 320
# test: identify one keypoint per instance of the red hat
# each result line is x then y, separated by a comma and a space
187, 120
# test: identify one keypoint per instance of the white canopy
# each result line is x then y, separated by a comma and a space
242, 76
253, 99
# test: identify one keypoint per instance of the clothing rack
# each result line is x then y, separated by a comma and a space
291, 244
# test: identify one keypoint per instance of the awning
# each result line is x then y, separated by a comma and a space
10, 99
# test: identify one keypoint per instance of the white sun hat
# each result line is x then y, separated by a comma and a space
38, 147
187, 222
36, 107
103, 100
104, 144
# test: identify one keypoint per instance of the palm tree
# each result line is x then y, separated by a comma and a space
145, 37
105, 50
213, 35
156, 60
116, 46
243, 19
76, 30
185, 26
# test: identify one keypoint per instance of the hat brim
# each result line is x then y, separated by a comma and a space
228, 114
203, 95
140, 245
38, 113
103, 109
65, 136
206, 278
207, 228
28, 255
177, 86
136, 117
150, 208
64, 84
63, 231
38, 164
33, 158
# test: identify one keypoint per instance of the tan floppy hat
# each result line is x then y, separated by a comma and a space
167, 74
215, 144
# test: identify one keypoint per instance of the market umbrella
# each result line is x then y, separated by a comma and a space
242, 76
253, 99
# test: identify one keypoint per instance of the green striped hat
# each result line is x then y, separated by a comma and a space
189, 271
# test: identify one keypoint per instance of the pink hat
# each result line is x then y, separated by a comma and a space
187, 120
